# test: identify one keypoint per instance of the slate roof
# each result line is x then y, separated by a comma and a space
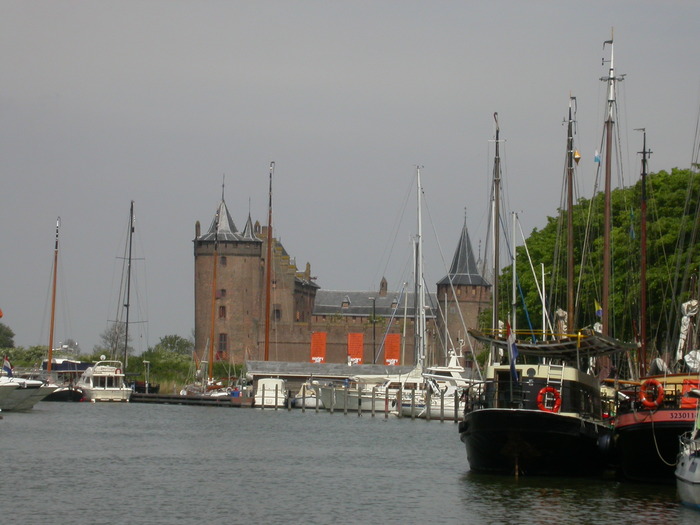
223, 228
463, 270
360, 304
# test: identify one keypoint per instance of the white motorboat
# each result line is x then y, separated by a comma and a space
104, 381
435, 403
307, 397
377, 393
18, 393
688, 464
271, 392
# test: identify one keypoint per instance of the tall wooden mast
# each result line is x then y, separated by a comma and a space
570, 158
643, 263
268, 267
53, 297
609, 121
210, 369
496, 233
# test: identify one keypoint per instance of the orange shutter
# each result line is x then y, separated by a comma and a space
356, 348
392, 346
318, 347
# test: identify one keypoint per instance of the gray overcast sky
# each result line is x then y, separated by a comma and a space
103, 102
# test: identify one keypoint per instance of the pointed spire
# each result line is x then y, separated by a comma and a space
248, 233
464, 269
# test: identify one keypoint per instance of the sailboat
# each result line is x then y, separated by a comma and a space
270, 391
105, 380
688, 464
655, 411
389, 392
538, 412
29, 391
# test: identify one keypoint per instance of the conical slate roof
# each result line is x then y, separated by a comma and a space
223, 228
248, 233
464, 270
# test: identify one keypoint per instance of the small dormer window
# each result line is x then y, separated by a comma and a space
346, 302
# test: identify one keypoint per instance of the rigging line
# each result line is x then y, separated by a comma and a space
540, 292
394, 230
452, 289
391, 319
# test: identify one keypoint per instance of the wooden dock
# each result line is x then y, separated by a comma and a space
175, 399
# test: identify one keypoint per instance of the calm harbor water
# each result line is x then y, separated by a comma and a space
81, 463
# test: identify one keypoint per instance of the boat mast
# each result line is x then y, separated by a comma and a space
643, 262
496, 234
53, 297
570, 304
420, 290
210, 368
268, 268
607, 265
128, 285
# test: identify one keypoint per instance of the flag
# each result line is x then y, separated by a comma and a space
7, 367
598, 309
512, 351
597, 157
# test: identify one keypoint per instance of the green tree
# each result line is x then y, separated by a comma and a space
112, 342
7, 336
174, 344
672, 260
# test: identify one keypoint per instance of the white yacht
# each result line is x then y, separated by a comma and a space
18, 393
688, 464
104, 381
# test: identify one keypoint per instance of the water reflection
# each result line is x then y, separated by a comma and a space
536, 500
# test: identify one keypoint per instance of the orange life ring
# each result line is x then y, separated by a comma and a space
648, 400
557, 399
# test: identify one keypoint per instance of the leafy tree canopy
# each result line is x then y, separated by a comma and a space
672, 260
7, 336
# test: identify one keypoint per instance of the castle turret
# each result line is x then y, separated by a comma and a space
237, 290
465, 291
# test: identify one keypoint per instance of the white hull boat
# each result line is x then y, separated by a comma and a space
104, 382
271, 393
688, 464
18, 394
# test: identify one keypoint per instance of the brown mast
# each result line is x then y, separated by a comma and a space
210, 372
268, 268
496, 234
643, 263
570, 304
607, 265
53, 297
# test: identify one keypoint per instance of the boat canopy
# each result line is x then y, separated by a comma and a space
586, 344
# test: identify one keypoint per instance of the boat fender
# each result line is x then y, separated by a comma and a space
557, 399
605, 444
647, 397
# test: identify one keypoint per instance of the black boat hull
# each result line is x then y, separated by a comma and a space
646, 443
534, 442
